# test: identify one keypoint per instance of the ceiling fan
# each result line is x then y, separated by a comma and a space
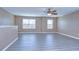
51, 12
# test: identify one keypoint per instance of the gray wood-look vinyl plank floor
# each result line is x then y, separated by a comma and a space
44, 42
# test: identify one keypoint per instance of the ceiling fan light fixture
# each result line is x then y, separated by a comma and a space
49, 14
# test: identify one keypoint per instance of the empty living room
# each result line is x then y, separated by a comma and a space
39, 29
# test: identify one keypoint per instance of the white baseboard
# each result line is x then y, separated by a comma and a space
68, 35
10, 44
37, 32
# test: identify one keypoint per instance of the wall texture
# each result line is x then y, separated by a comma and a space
7, 35
6, 18
8, 32
69, 24
41, 24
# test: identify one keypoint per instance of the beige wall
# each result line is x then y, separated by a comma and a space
40, 24
6, 18
69, 24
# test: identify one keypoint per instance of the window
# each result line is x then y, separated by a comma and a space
49, 24
29, 23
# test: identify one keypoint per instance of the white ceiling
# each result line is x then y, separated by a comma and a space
39, 11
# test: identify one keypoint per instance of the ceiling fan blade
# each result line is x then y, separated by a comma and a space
54, 11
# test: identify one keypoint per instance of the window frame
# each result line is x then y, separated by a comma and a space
29, 24
50, 26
